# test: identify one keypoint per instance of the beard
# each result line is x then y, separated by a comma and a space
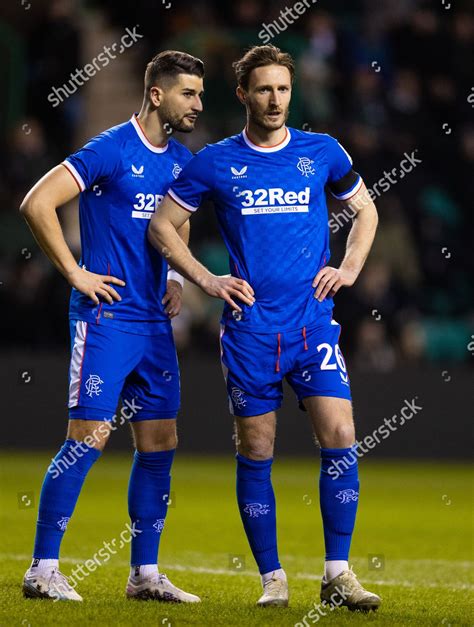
259, 118
174, 122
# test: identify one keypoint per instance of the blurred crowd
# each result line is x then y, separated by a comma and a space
388, 79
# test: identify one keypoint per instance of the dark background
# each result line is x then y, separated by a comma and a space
385, 78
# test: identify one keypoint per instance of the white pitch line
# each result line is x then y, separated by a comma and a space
222, 571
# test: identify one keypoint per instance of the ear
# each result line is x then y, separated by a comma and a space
155, 95
241, 94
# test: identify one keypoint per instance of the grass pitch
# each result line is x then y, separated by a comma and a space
413, 545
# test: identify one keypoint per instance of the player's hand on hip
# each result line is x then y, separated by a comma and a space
229, 287
95, 285
173, 298
328, 281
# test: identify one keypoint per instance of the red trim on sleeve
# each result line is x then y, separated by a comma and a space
70, 172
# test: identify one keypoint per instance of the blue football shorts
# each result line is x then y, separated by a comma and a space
108, 364
255, 364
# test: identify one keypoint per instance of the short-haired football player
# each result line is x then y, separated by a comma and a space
268, 187
121, 303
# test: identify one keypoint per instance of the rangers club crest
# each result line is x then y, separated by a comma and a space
254, 510
93, 384
62, 523
304, 166
348, 495
159, 524
237, 397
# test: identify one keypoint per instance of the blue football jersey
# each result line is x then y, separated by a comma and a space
271, 208
122, 178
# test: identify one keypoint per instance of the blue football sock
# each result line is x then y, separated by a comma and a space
338, 497
257, 509
148, 497
61, 488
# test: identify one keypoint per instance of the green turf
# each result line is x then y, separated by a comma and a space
417, 516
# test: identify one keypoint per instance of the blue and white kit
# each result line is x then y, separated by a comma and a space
271, 208
124, 349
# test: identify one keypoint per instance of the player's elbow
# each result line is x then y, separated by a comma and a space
29, 206
25, 206
156, 231
33, 205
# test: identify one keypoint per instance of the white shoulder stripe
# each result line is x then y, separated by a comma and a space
181, 202
347, 154
75, 174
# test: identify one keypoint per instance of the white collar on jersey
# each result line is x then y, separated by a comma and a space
144, 138
274, 148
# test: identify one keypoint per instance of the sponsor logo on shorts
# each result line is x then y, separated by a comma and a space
254, 510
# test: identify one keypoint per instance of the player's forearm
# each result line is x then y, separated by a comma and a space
184, 232
360, 239
169, 243
44, 224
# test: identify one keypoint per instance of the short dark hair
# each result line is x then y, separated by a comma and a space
259, 56
169, 64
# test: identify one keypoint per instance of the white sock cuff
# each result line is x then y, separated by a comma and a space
333, 568
143, 570
277, 574
42, 564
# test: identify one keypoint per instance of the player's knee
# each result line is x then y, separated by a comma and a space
156, 442
339, 435
92, 432
168, 443
258, 449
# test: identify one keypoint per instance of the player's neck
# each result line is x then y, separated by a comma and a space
152, 127
263, 137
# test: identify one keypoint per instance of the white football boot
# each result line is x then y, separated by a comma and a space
345, 589
48, 584
158, 587
275, 592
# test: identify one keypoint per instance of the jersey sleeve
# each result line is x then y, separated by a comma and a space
96, 162
343, 182
195, 183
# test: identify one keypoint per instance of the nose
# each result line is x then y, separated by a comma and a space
197, 106
275, 98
